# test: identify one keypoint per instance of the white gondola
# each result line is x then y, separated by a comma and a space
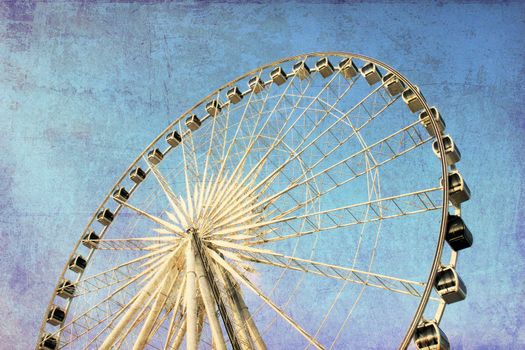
121, 194
301, 70
278, 76
256, 84
56, 315
426, 122
66, 289
371, 73
155, 156
393, 85
234, 95
90, 239
77, 264
452, 153
428, 336
105, 217
213, 108
193, 122
348, 68
458, 191
48, 342
449, 286
137, 175
325, 67
458, 235
173, 139
412, 101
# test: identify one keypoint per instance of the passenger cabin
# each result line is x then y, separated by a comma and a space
193, 122
90, 239
77, 264
278, 76
234, 95
452, 153
449, 286
213, 108
155, 156
66, 289
137, 175
371, 73
301, 70
325, 67
393, 85
48, 342
458, 235
105, 217
121, 194
458, 191
173, 139
412, 101
428, 336
256, 84
56, 315
425, 121
348, 68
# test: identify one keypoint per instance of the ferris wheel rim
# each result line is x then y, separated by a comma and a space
436, 262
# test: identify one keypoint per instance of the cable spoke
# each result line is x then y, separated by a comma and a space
181, 218
119, 273
140, 243
169, 226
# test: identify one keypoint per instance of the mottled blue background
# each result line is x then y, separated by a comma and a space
84, 86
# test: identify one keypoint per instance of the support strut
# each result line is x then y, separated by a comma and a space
215, 291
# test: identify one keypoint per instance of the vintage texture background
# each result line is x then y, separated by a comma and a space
85, 85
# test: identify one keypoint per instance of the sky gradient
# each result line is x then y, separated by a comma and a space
84, 86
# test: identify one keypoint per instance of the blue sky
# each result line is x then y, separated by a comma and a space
84, 86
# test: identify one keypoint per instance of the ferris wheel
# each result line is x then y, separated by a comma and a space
306, 204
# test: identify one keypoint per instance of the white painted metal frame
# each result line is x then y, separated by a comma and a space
246, 201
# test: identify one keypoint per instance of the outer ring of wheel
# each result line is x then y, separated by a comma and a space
444, 173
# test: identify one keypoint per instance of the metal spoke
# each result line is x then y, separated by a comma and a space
366, 278
139, 243
391, 207
167, 225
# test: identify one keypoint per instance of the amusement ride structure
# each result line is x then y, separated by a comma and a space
313, 202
